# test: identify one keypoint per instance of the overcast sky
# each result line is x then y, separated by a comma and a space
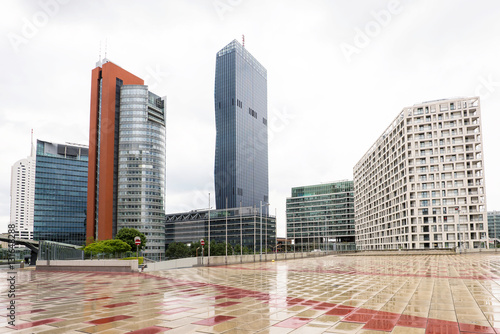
338, 72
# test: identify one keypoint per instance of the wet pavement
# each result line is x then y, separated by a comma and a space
333, 294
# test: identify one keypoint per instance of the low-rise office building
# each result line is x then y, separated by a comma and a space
494, 225
244, 226
321, 216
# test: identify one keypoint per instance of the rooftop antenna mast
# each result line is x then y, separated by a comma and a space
100, 43
243, 39
106, 49
32, 146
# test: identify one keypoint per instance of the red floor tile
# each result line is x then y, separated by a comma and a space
226, 304
435, 326
29, 311
386, 315
358, 317
146, 294
119, 304
475, 328
93, 299
310, 302
412, 321
220, 297
150, 330
108, 319
380, 325
176, 310
36, 323
340, 310
237, 296
214, 320
294, 322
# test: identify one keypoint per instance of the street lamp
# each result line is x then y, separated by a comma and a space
208, 261
261, 228
241, 236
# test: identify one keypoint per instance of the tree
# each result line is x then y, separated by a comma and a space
177, 250
108, 247
128, 234
237, 250
219, 248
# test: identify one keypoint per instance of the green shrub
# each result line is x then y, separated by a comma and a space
141, 259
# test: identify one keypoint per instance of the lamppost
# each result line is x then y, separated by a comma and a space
241, 236
261, 228
261, 231
226, 229
208, 261
254, 231
276, 234
326, 238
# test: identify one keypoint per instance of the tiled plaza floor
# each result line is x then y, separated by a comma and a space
334, 294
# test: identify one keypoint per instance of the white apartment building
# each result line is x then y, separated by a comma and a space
421, 185
22, 197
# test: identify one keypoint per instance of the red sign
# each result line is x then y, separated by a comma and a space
202, 242
137, 241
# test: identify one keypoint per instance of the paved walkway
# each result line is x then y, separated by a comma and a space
334, 294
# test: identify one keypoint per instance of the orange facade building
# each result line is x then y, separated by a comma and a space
107, 80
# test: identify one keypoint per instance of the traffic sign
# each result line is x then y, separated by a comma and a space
137, 240
202, 242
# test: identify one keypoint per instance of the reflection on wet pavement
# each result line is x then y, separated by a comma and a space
334, 294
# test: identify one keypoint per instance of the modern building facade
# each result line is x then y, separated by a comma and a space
126, 158
321, 216
494, 226
421, 184
22, 196
60, 192
241, 225
241, 152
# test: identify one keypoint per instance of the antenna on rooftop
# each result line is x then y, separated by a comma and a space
32, 146
106, 49
100, 42
243, 40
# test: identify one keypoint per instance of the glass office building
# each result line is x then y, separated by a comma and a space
127, 161
494, 226
60, 192
321, 217
242, 225
241, 152
141, 168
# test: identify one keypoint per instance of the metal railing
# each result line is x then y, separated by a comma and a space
50, 250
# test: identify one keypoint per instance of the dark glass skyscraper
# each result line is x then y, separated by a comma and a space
60, 192
241, 153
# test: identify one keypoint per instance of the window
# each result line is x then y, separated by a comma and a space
252, 112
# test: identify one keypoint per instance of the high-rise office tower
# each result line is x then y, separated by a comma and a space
22, 196
126, 158
421, 184
241, 151
60, 192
